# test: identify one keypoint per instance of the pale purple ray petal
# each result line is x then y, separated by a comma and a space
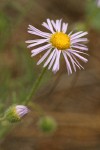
43, 57
21, 114
52, 61
54, 24
67, 63
46, 25
73, 62
59, 53
32, 28
79, 56
21, 110
37, 43
32, 41
64, 27
70, 33
56, 64
35, 30
76, 51
79, 35
59, 26
21, 107
73, 35
77, 61
50, 25
38, 34
40, 49
49, 58
79, 40
80, 47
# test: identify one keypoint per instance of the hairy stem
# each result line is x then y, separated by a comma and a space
35, 86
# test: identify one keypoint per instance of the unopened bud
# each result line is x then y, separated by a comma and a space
15, 113
47, 124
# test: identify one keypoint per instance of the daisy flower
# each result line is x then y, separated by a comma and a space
56, 43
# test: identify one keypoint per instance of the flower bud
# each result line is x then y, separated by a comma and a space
47, 124
15, 113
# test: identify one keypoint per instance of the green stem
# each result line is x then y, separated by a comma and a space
35, 86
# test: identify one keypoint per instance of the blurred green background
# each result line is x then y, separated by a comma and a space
18, 70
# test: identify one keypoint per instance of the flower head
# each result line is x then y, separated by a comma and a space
57, 43
15, 113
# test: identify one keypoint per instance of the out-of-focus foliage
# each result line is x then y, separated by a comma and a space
18, 71
4, 29
93, 14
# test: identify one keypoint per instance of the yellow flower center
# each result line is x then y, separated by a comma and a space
60, 40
